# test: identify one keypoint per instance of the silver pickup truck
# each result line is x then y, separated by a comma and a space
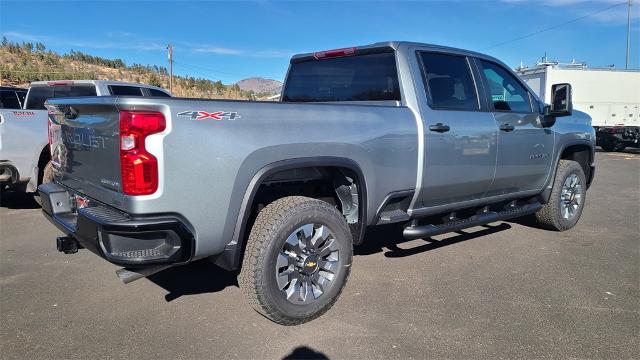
432, 138
24, 150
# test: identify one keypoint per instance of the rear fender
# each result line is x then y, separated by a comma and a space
32, 185
232, 256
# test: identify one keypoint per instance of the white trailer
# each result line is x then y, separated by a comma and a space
610, 96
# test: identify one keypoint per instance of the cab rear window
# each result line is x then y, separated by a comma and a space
39, 94
372, 77
10, 99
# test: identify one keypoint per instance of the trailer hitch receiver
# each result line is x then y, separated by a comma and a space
67, 245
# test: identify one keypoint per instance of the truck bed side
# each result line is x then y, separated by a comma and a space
206, 162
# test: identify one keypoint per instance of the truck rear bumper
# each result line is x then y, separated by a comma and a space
118, 237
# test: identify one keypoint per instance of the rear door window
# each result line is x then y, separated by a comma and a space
505, 92
123, 90
21, 94
370, 77
449, 80
9, 100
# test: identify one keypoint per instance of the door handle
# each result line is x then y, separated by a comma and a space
507, 127
439, 127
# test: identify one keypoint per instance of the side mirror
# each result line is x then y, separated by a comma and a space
561, 104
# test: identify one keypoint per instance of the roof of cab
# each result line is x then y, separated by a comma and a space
97, 82
394, 45
12, 88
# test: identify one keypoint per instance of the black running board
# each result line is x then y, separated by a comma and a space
422, 231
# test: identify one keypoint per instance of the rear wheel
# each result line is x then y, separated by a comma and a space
297, 260
567, 198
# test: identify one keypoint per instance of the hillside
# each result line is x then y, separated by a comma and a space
26, 62
260, 85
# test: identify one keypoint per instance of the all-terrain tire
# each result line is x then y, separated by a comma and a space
273, 225
47, 177
551, 214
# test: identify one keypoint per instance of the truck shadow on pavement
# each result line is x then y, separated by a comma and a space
307, 353
390, 237
630, 151
204, 277
17, 200
198, 277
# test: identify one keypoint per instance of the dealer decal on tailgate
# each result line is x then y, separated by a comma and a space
204, 115
23, 113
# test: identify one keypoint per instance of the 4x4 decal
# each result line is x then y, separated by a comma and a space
203, 115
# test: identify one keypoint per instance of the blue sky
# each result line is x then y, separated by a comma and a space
232, 40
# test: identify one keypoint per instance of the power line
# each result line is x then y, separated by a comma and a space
554, 27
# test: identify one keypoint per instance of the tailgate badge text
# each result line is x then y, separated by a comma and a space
204, 115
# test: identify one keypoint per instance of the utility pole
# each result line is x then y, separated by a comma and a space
626, 65
170, 48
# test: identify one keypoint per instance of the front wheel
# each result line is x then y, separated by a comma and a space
297, 260
567, 199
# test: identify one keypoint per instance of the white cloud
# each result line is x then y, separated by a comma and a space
119, 34
133, 43
574, 2
563, 2
212, 49
216, 50
49, 40
616, 14
23, 36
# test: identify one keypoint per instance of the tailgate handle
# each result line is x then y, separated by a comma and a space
439, 127
70, 112
507, 127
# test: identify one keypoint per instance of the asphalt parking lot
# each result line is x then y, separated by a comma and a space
505, 291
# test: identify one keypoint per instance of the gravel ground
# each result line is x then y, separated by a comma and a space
507, 291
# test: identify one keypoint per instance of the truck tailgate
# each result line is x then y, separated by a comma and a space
84, 136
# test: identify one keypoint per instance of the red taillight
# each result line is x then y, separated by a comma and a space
335, 53
139, 169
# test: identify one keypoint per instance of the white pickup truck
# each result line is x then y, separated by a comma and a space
24, 146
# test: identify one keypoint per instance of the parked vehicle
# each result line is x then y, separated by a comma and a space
434, 138
610, 96
12, 97
24, 148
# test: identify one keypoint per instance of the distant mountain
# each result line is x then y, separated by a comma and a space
260, 85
